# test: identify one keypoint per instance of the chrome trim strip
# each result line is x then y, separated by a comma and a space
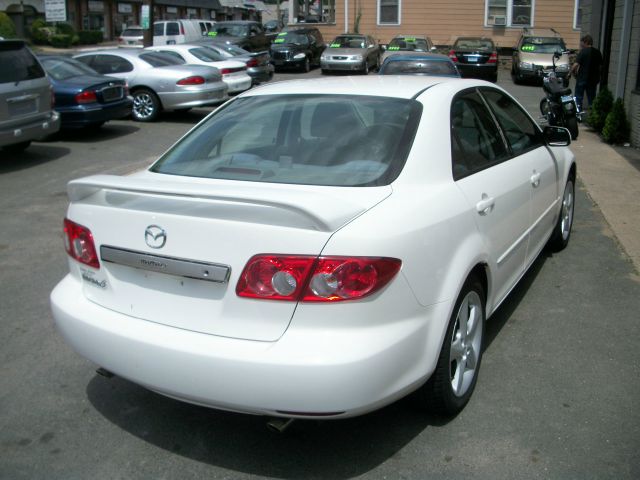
210, 272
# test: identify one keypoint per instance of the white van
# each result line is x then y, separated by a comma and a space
172, 32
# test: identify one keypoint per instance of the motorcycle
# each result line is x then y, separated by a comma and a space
559, 106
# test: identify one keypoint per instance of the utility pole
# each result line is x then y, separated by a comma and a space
146, 21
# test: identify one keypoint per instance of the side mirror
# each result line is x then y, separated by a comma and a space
383, 47
557, 136
433, 49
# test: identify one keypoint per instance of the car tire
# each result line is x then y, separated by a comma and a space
324, 71
453, 381
515, 77
306, 66
494, 77
17, 147
572, 126
146, 105
562, 231
365, 70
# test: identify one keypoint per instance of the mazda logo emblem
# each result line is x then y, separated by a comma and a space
155, 236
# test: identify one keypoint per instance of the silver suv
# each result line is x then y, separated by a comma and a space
26, 98
533, 55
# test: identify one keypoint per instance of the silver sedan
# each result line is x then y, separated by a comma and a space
158, 81
351, 52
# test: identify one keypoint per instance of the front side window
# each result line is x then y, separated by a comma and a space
108, 64
158, 29
476, 142
335, 140
511, 13
173, 28
389, 12
521, 132
65, 68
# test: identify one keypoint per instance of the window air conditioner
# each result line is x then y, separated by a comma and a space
499, 20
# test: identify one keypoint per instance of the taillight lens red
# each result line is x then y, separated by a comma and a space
493, 58
313, 279
195, 80
88, 96
252, 62
453, 56
78, 242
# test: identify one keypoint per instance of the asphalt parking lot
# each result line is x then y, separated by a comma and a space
556, 398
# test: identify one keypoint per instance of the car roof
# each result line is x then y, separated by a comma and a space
374, 85
122, 52
422, 37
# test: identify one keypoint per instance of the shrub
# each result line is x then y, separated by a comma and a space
65, 29
40, 33
60, 41
89, 37
616, 127
7, 30
600, 109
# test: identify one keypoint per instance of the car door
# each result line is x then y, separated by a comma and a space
495, 185
527, 144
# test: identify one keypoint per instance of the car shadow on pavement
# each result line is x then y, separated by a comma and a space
33, 156
107, 132
308, 449
505, 311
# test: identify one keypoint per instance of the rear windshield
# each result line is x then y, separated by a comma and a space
348, 42
161, 59
18, 63
62, 69
206, 54
473, 44
542, 45
409, 44
133, 32
420, 67
336, 140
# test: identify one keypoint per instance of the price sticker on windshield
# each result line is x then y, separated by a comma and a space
395, 47
528, 48
279, 40
409, 39
334, 45
212, 34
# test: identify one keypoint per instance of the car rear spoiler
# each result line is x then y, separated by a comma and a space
299, 207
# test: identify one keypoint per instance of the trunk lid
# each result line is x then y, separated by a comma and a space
210, 226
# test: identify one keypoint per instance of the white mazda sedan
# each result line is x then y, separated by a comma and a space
317, 249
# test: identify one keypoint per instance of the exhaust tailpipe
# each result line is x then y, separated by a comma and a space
278, 424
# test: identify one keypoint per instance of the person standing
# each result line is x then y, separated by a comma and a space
586, 69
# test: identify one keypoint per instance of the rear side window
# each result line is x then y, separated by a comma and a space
18, 63
205, 54
335, 140
107, 64
476, 142
173, 28
161, 59
521, 133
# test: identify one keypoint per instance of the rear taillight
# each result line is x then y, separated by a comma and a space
88, 96
225, 71
453, 56
78, 242
315, 279
493, 58
252, 62
181, 29
195, 80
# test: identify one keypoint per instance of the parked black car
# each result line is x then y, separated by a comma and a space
298, 48
475, 57
245, 34
83, 97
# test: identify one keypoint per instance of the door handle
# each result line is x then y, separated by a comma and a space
485, 205
535, 179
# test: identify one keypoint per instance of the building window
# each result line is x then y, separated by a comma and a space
509, 13
577, 16
389, 12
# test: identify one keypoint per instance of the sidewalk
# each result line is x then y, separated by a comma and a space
614, 185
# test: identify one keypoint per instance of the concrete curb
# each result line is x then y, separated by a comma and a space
614, 185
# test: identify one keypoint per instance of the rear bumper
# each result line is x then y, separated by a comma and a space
261, 74
238, 83
31, 130
308, 373
470, 70
194, 98
82, 116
